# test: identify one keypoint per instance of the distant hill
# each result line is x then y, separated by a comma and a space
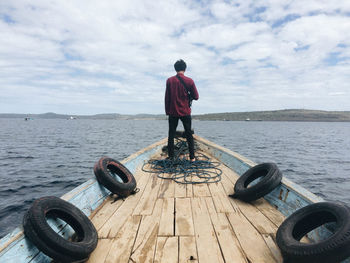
278, 115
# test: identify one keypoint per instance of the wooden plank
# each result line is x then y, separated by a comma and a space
148, 198
188, 250
207, 244
106, 210
254, 215
210, 205
229, 244
167, 250
122, 244
117, 220
167, 188
221, 201
146, 239
183, 217
251, 241
200, 190
227, 185
189, 190
269, 211
101, 251
166, 225
180, 190
258, 219
273, 248
231, 175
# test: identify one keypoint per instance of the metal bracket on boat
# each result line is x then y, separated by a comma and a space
135, 191
115, 199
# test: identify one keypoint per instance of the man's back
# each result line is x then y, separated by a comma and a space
176, 96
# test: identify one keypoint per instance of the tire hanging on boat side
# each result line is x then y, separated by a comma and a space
333, 249
106, 169
270, 176
40, 233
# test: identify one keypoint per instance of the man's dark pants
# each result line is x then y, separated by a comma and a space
186, 121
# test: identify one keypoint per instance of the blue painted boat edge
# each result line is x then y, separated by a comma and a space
15, 248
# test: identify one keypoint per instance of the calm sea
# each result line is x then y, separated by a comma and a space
50, 157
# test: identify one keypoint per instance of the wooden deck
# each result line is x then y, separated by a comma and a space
170, 222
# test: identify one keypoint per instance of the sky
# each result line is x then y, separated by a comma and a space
89, 57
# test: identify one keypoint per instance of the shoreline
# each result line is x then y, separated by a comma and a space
297, 115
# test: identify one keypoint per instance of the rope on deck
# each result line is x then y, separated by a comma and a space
183, 171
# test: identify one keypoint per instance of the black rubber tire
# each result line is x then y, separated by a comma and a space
102, 170
51, 243
41, 245
272, 177
333, 249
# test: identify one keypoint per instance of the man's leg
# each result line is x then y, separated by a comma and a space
173, 121
187, 123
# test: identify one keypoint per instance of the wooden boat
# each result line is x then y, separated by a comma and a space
170, 222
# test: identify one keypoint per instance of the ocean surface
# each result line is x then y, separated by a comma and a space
43, 157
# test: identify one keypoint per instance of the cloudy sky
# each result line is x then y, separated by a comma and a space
88, 57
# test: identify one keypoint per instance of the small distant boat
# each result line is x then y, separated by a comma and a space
72, 118
170, 222
247, 119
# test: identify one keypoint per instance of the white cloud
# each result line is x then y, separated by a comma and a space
90, 57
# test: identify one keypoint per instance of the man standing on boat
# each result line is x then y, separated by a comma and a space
180, 91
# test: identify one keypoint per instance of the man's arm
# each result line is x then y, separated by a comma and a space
167, 98
194, 91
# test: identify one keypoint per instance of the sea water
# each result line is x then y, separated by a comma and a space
52, 156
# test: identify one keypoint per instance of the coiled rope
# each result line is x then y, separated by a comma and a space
181, 170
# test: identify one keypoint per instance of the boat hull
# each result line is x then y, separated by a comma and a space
287, 198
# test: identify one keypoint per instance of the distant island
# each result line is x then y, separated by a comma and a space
277, 115
280, 115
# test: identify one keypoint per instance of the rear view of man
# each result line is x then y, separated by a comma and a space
180, 90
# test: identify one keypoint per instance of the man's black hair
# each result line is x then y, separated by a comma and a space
180, 65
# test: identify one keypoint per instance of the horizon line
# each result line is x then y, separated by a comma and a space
133, 114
